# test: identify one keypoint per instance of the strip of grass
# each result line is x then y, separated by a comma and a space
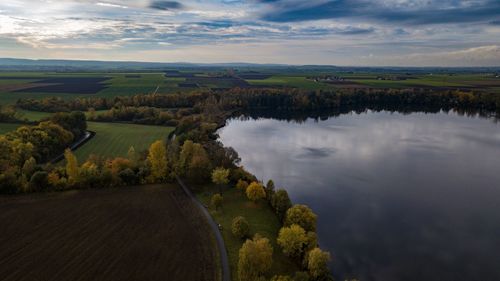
115, 139
32, 115
8, 127
262, 220
290, 81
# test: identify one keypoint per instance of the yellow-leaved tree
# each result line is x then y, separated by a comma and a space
255, 191
71, 165
255, 258
157, 159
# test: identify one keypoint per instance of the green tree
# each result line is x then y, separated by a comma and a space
240, 227
301, 215
317, 263
255, 258
71, 166
255, 191
293, 240
281, 203
216, 201
157, 159
39, 181
269, 190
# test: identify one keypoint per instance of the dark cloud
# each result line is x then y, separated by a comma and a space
432, 13
166, 5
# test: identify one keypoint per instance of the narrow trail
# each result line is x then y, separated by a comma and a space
226, 271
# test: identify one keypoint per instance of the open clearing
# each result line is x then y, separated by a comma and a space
115, 139
133, 233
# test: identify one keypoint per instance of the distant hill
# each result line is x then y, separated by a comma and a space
13, 64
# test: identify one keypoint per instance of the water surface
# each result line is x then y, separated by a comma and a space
399, 196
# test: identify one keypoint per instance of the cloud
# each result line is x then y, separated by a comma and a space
166, 5
397, 11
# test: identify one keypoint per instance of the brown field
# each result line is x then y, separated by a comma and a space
134, 233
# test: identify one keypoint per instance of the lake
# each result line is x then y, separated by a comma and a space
398, 196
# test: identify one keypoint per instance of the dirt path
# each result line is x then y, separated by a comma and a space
226, 271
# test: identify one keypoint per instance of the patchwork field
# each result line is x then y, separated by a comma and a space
15, 85
115, 139
133, 233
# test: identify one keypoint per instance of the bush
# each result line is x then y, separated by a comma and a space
216, 201
39, 181
240, 227
128, 176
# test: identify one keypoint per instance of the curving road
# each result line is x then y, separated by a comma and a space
226, 271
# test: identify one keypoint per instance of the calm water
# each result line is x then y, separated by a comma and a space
399, 197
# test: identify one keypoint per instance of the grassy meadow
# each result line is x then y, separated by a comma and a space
261, 219
115, 139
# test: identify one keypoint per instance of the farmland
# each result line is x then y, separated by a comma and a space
115, 139
133, 233
15, 85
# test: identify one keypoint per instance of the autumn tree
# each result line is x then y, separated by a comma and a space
293, 240
242, 185
255, 258
301, 215
194, 161
281, 203
282, 278
71, 166
220, 176
240, 227
317, 263
255, 191
157, 159
132, 156
216, 201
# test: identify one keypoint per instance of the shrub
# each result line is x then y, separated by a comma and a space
240, 227
216, 201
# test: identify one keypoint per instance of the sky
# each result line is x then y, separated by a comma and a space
329, 32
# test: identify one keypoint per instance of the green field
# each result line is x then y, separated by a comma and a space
119, 84
31, 115
8, 127
115, 139
262, 220
289, 81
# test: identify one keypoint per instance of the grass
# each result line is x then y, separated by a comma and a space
290, 81
115, 139
262, 220
8, 127
32, 115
